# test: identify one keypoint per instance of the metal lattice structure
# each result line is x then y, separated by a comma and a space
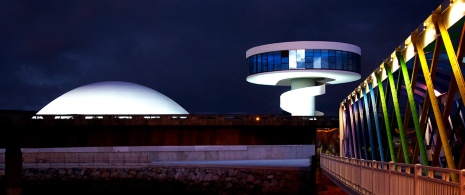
412, 104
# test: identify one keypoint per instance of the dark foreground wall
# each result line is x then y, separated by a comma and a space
166, 180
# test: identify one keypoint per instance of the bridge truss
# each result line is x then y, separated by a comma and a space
410, 109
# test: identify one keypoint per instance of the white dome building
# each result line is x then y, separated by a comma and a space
112, 98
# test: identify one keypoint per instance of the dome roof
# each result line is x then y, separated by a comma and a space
112, 97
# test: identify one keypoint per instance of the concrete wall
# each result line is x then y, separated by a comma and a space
146, 154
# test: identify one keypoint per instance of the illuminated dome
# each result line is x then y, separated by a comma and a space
112, 97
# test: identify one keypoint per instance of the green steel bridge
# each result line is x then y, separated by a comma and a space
402, 130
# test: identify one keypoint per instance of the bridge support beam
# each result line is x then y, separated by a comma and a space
355, 151
413, 108
386, 118
400, 124
359, 130
368, 121
375, 118
435, 106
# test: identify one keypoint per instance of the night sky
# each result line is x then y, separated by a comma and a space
191, 51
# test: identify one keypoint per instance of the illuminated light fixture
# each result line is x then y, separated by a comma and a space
93, 117
151, 117
304, 66
421, 28
454, 13
180, 117
37, 117
257, 118
63, 117
388, 60
123, 117
446, 4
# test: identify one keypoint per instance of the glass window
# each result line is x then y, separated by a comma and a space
309, 53
277, 60
316, 59
324, 59
332, 65
300, 58
285, 53
344, 60
331, 53
339, 60
255, 64
285, 66
292, 59
308, 64
332, 59
285, 60
309, 57
303, 59
270, 59
349, 61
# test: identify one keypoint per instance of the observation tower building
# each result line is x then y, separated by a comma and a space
305, 66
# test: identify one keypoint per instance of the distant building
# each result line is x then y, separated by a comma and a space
306, 66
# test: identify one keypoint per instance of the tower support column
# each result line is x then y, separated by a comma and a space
299, 83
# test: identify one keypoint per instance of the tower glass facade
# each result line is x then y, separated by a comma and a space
304, 59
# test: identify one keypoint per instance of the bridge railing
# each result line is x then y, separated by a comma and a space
386, 178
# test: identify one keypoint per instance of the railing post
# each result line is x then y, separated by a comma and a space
417, 172
373, 162
390, 168
357, 174
462, 182
344, 168
349, 171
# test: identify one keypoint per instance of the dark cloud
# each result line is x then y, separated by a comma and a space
191, 51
